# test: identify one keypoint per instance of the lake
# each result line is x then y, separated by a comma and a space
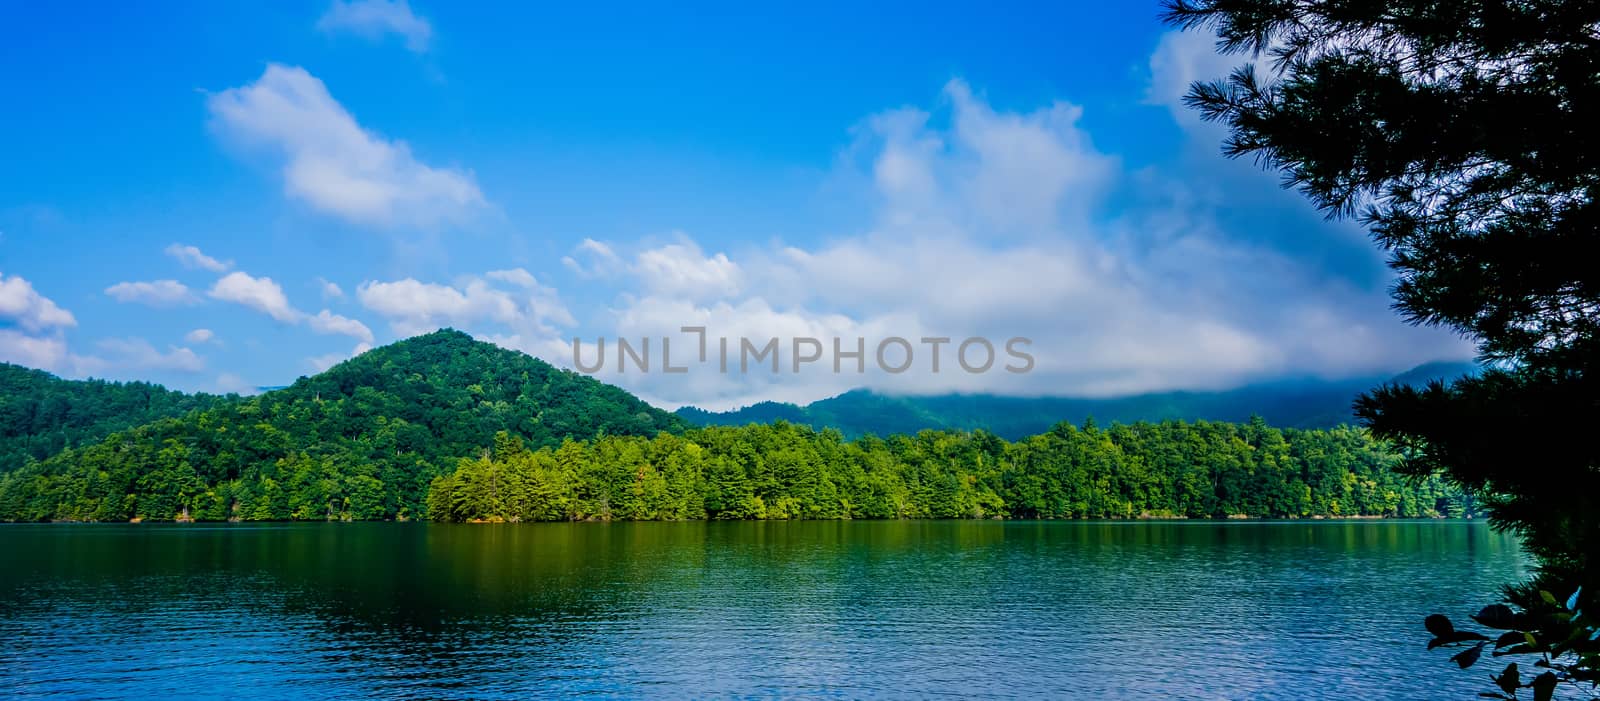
1194, 610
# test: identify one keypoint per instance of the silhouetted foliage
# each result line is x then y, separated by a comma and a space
1462, 133
1563, 635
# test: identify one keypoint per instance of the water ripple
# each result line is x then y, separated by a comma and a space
742, 610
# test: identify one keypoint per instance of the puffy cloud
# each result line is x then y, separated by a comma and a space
31, 329
192, 257
1034, 174
417, 307
999, 224
21, 305
138, 354
332, 163
329, 323
412, 307
1180, 59
267, 297
199, 336
373, 19
678, 269
258, 293
158, 293
330, 290
682, 270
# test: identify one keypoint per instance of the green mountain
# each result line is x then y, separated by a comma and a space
41, 414
361, 440
1306, 404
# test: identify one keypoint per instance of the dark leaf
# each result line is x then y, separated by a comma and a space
1439, 625
1544, 686
1467, 657
1511, 638
1497, 616
1509, 680
1460, 636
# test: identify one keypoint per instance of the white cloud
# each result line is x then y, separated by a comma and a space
418, 307
329, 323
515, 276
32, 330
258, 293
994, 224
412, 307
267, 297
20, 304
682, 270
199, 336
157, 293
678, 269
138, 354
42, 352
373, 19
330, 290
1180, 59
192, 257
332, 163
601, 260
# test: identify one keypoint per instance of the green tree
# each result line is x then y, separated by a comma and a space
1462, 134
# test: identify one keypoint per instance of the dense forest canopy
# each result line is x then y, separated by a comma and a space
785, 471
41, 414
361, 440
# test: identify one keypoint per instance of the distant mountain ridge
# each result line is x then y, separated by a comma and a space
1306, 404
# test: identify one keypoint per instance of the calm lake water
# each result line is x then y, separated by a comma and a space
845, 609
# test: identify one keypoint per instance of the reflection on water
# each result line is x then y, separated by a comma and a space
848, 609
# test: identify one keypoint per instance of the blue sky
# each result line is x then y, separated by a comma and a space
182, 182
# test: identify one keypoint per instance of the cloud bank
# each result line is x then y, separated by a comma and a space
1002, 224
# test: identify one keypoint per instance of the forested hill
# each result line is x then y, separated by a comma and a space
1305, 404
41, 414
361, 440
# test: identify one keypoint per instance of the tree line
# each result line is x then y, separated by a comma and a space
444, 427
786, 471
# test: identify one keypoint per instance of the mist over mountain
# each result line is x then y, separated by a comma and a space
1289, 404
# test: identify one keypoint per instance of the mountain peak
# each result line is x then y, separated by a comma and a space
386, 421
